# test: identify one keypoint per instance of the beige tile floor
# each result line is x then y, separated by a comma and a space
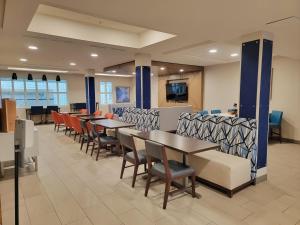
71, 188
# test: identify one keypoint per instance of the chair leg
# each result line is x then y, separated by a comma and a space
123, 168
66, 131
93, 148
55, 126
148, 184
145, 167
75, 135
167, 190
136, 167
280, 135
87, 145
99, 147
82, 141
193, 186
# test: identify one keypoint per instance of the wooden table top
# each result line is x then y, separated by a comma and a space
91, 117
186, 145
112, 124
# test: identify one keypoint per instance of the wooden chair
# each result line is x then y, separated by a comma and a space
83, 111
75, 121
90, 136
68, 124
131, 155
57, 119
166, 170
97, 113
109, 115
102, 141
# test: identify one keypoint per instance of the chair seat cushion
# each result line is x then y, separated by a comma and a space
108, 140
177, 169
141, 155
274, 125
226, 170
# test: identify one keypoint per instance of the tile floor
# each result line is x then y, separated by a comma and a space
71, 188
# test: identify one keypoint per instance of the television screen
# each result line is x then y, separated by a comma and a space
177, 92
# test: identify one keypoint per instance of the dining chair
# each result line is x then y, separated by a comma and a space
75, 121
109, 115
166, 170
102, 141
83, 111
57, 119
131, 155
216, 111
68, 124
97, 113
37, 111
275, 119
48, 111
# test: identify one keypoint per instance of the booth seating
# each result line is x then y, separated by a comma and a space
144, 119
231, 168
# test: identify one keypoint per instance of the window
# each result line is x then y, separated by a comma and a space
34, 92
106, 93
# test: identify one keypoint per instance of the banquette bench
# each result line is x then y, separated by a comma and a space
233, 166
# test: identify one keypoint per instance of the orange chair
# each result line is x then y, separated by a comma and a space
109, 115
68, 124
57, 119
83, 111
75, 121
97, 113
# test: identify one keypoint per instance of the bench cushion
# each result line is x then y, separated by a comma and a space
220, 168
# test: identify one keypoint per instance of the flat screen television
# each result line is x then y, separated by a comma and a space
177, 92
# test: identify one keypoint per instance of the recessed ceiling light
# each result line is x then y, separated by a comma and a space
37, 70
152, 74
32, 47
72, 64
162, 68
213, 50
133, 73
234, 55
113, 71
23, 60
94, 55
181, 70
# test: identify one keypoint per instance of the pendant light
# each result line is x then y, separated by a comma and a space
44, 78
14, 76
29, 77
58, 78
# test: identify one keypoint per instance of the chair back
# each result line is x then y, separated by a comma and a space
97, 113
51, 108
276, 117
36, 110
67, 120
83, 126
83, 111
54, 117
216, 111
157, 151
126, 140
75, 121
109, 115
59, 117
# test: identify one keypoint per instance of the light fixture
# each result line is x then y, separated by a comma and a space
162, 68
133, 73
44, 78
113, 71
23, 60
213, 50
32, 47
94, 55
113, 75
14, 76
152, 74
72, 64
29, 77
58, 78
234, 55
36, 70
181, 70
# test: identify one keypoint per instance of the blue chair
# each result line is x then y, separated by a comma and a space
216, 111
275, 119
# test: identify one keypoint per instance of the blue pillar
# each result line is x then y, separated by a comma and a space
90, 94
256, 67
143, 87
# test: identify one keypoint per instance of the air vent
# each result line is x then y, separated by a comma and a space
286, 19
2, 11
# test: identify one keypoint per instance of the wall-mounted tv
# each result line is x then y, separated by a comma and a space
177, 92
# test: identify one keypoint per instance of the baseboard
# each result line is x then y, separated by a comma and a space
289, 140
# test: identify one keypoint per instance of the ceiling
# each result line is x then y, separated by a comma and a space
199, 25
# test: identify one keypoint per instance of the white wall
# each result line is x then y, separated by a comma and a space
221, 90
76, 87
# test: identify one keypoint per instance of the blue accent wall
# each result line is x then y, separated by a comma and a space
249, 72
90, 94
263, 125
138, 87
143, 87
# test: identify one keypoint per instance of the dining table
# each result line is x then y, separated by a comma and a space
113, 124
91, 117
185, 145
